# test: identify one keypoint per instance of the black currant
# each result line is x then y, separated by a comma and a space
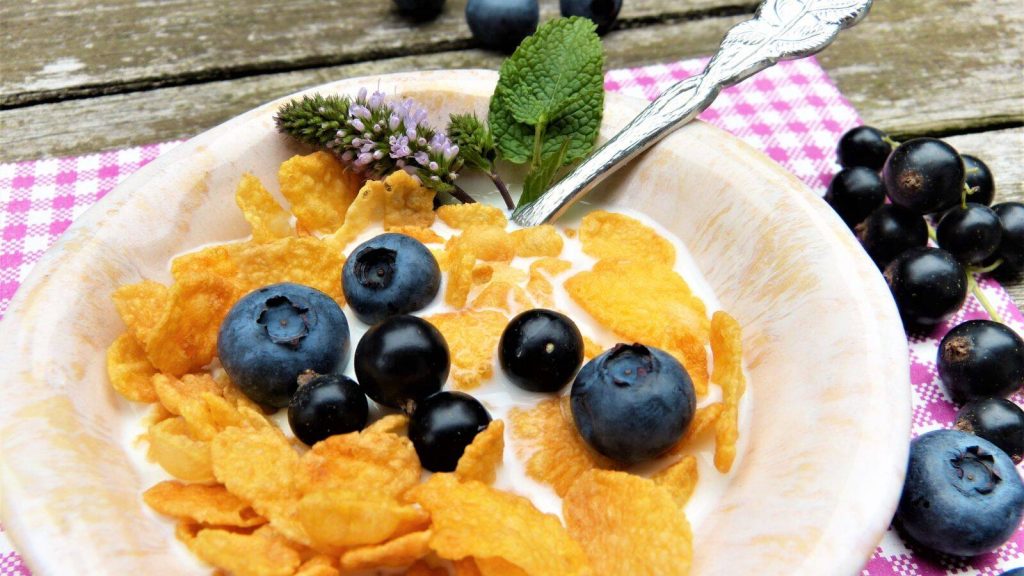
997, 420
979, 176
401, 361
981, 359
326, 405
863, 146
890, 231
541, 350
441, 427
928, 285
925, 175
854, 193
1011, 249
971, 234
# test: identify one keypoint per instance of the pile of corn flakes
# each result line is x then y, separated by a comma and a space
250, 500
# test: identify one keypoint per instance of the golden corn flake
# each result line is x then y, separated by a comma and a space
472, 338
185, 338
390, 424
547, 439
129, 370
460, 276
727, 351
502, 296
549, 267
422, 568
319, 565
401, 551
591, 348
471, 519
609, 235
174, 392
541, 240
462, 216
205, 504
485, 243
704, 420
425, 235
368, 462
141, 306
181, 456
627, 524
498, 567
466, 567
485, 272
339, 518
208, 414
407, 202
307, 261
217, 260
255, 464
319, 190
269, 221
262, 553
484, 454
680, 479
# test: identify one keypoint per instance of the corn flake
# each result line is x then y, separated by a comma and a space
368, 462
472, 338
462, 216
185, 337
484, 454
680, 479
503, 296
319, 190
319, 565
727, 351
307, 261
424, 235
268, 219
547, 439
339, 518
471, 519
627, 524
217, 260
460, 276
406, 202
129, 370
262, 553
422, 568
541, 240
486, 243
181, 456
390, 424
401, 551
609, 235
141, 306
201, 503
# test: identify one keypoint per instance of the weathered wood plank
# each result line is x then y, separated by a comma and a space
60, 48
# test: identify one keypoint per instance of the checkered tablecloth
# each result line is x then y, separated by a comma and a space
792, 112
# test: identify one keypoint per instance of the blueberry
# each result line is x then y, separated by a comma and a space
981, 359
855, 193
962, 495
541, 350
925, 175
928, 285
275, 333
420, 9
327, 405
979, 176
971, 234
602, 12
997, 420
388, 275
401, 361
443, 425
863, 146
632, 402
890, 231
502, 24
1013, 572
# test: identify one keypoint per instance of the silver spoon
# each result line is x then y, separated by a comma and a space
780, 30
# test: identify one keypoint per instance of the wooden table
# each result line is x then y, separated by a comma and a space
82, 76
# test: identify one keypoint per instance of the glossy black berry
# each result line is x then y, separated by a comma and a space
980, 177
854, 193
997, 420
928, 285
602, 12
502, 24
863, 146
970, 234
1011, 248
540, 350
890, 231
981, 359
401, 361
420, 9
327, 405
443, 425
925, 175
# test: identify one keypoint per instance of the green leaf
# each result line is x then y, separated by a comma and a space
553, 80
476, 147
539, 178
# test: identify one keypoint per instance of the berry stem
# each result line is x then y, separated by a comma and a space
989, 268
972, 284
461, 195
931, 232
888, 140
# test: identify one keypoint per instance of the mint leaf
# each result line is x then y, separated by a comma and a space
553, 81
539, 178
474, 140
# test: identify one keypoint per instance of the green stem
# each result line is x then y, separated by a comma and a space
987, 269
538, 140
891, 142
931, 232
982, 299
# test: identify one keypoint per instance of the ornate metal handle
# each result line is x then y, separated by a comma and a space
780, 30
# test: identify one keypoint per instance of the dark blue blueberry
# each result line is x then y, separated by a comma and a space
502, 24
981, 359
632, 403
997, 420
602, 12
863, 146
971, 234
401, 361
962, 495
420, 9
540, 350
443, 425
275, 333
388, 275
327, 405
1013, 572
854, 193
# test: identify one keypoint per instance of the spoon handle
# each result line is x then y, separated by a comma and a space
779, 30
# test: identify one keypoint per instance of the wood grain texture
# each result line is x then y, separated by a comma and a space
57, 49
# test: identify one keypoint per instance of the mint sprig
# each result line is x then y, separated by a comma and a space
476, 147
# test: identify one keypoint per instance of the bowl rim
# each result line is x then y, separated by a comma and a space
45, 271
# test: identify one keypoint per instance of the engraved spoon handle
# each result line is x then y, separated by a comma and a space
780, 30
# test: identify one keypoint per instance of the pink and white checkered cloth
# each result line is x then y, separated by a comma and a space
792, 112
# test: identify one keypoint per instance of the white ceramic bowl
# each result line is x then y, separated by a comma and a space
824, 348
